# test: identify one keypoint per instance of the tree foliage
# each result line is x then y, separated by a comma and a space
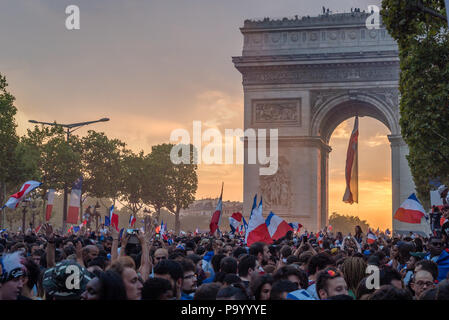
102, 159
346, 224
183, 183
423, 41
8, 137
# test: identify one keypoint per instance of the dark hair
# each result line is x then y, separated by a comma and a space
228, 265
238, 252
286, 251
153, 288
112, 286
429, 294
33, 272
362, 289
194, 258
256, 248
324, 276
257, 282
246, 262
388, 274
284, 272
187, 265
319, 262
235, 291
200, 250
281, 286
443, 290
429, 266
207, 291
230, 278
292, 259
97, 261
216, 261
173, 268
389, 292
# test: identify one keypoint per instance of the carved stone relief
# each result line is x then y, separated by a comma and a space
277, 111
276, 189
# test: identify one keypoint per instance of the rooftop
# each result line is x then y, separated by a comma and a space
326, 19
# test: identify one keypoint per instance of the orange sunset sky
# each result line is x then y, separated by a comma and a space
155, 66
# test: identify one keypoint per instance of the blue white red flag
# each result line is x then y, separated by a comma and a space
27, 187
74, 206
235, 220
132, 221
113, 217
257, 229
277, 227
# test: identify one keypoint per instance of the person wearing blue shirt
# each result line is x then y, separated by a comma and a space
438, 255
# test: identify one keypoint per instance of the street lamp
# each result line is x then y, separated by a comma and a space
70, 128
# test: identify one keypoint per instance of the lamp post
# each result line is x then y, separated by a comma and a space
69, 129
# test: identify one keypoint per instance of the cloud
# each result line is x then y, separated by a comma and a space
378, 140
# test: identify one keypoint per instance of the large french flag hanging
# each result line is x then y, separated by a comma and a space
277, 227
257, 228
235, 220
75, 200
216, 217
351, 171
50, 203
27, 187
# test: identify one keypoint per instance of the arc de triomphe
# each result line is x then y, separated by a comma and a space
305, 76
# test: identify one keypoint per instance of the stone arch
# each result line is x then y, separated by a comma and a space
344, 106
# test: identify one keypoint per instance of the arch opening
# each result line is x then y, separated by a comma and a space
375, 175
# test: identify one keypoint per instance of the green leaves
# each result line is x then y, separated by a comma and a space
424, 87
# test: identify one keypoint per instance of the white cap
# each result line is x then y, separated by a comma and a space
441, 189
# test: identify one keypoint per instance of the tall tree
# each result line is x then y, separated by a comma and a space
132, 181
421, 31
183, 183
8, 138
156, 184
102, 159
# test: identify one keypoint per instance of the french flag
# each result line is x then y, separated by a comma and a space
132, 221
257, 228
371, 237
277, 227
74, 207
27, 187
235, 220
295, 226
216, 217
410, 211
50, 203
113, 218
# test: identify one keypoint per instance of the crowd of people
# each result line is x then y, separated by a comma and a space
145, 266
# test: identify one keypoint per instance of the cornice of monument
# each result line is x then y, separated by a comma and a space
393, 54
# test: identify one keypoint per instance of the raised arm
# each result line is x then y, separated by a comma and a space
145, 264
114, 247
50, 250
